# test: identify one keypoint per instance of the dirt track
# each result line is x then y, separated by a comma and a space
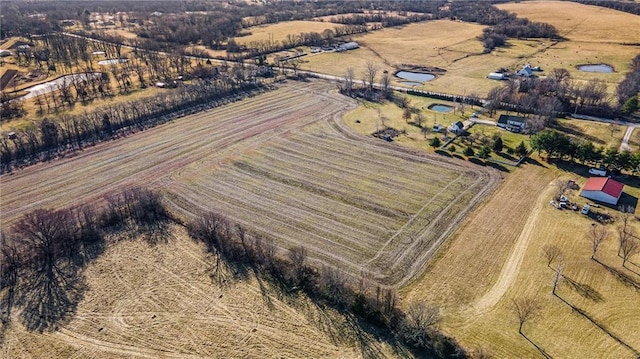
511, 268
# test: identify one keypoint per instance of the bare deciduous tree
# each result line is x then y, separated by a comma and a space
298, 257
623, 228
334, 281
349, 78
423, 315
597, 234
370, 75
630, 247
557, 276
551, 253
525, 308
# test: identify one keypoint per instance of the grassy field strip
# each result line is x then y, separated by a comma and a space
306, 220
276, 226
512, 266
455, 213
363, 221
427, 233
403, 174
397, 169
294, 227
411, 220
361, 199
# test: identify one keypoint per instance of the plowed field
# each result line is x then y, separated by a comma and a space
282, 164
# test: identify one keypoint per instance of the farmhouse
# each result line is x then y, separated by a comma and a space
602, 189
512, 123
456, 127
526, 71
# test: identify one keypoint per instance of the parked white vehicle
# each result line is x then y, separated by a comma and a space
597, 172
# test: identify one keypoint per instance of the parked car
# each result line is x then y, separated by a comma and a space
597, 172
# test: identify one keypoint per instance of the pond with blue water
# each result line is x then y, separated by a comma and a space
603, 68
440, 108
414, 77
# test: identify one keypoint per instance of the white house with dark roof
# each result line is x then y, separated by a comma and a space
512, 123
526, 71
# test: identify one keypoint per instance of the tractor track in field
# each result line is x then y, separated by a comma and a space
185, 158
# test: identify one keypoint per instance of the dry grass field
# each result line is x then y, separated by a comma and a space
497, 256
595, 35
283, 166
279, 31
449, 45
145, 301
578, 22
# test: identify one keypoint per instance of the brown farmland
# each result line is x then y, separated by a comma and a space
282, 164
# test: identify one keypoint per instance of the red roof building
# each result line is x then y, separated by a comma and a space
602, 189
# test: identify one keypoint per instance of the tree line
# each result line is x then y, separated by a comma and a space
502, 24
42, 256
558, 145
50, 138
235, 250
557, 93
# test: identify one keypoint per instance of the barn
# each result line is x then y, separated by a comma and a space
602, 189
348, 46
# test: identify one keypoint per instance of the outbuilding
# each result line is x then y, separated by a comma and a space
602, 189
348, 46
496, 76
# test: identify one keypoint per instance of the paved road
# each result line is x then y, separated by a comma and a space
624, 146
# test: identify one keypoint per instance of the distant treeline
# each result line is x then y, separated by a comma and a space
214, 23
631, 7
502, 24
556, 94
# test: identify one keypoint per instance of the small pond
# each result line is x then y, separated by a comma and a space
415, 76
53, 85
604, 68
111, 61
440, 108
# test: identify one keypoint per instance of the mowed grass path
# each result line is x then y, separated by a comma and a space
469, 267
282, 164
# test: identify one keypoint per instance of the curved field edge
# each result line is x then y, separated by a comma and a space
232, 160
